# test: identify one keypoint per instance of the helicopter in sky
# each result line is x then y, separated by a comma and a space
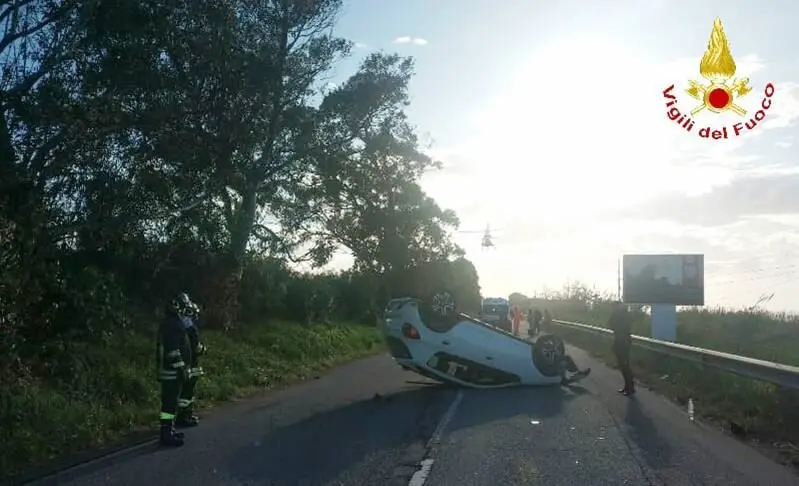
487, 240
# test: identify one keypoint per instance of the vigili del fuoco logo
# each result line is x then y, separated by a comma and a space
721, 93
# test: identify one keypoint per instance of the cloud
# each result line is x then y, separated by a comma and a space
773, 194
785, 143
785, 111
410, 40
361, 45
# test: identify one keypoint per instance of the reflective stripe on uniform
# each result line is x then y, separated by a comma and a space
166, 416
175, 353
196, 372
183, 403
167, 375
178, 364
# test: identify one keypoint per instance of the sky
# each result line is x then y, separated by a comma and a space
551, 123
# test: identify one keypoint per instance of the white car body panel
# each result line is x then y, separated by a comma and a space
473, 340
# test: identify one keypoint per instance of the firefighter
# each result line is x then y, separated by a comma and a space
173, 355
189, 316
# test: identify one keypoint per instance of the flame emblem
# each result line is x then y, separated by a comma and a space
718, 67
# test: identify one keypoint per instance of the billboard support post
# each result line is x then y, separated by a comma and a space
664, 322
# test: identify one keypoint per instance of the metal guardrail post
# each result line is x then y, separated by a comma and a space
777, 373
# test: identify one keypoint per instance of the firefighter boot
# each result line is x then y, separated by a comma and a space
169, 437
186, 418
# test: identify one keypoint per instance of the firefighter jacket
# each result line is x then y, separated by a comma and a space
174, 353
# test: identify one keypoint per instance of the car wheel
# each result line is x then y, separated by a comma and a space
440, 311
548, 353
443, 304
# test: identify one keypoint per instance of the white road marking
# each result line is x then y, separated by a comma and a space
420, 476
426, 465
445, 420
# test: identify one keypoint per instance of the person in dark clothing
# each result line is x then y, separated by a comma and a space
546, 323
190, 313
536, 322
621, 323
550, 350
570, 365
172, 356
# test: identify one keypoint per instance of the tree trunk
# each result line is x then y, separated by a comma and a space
223, 309
223, 303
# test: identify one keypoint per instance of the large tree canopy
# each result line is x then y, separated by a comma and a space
149, 146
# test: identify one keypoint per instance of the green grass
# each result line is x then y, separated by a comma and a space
768, 413
97, 394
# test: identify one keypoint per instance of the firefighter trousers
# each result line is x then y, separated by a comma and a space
172, 382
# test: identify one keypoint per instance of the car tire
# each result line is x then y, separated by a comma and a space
440, 311
548, 352
443, 304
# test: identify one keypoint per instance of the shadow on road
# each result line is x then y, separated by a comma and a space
656, 451
374, 434
485, 406
327, 446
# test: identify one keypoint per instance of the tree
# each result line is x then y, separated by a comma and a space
196, 137
221, 96
364, 191
517, 298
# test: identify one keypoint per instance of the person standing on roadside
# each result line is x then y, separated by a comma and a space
516, 319
172, 355
190, 313
546, 324
621, 323
534, 319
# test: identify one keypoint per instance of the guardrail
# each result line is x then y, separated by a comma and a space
779, 374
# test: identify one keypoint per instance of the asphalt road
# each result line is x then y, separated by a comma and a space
335, 431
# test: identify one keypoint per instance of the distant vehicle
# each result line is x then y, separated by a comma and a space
434, 340
496, 311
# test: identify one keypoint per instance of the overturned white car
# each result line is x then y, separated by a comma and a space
436, 341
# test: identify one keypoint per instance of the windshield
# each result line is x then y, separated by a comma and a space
495, 310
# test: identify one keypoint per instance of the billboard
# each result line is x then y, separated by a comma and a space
664, 279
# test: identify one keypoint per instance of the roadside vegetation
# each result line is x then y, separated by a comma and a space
752, 410
201, 146
98, 395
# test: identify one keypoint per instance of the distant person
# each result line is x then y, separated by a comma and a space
516, 319
621, 323
546, 324
530, 318
535, 321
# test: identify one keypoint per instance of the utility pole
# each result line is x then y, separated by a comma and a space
618, 279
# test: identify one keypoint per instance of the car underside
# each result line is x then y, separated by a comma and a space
458, 349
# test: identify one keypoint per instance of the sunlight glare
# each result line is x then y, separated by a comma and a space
583, 116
